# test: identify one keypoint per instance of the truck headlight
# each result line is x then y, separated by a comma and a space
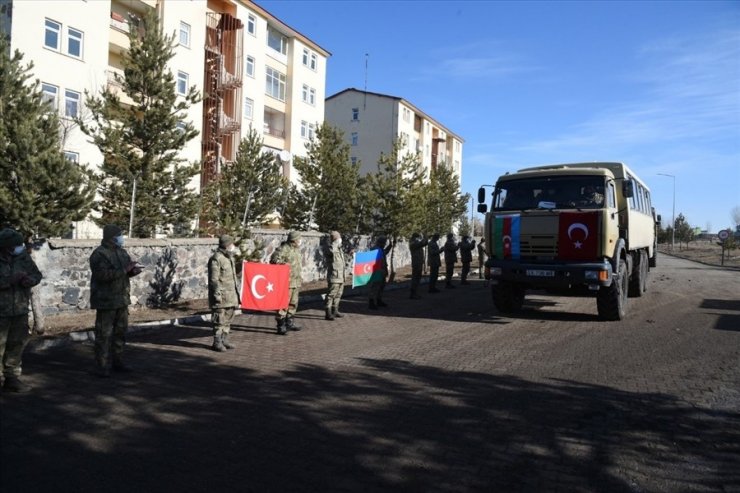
592, 275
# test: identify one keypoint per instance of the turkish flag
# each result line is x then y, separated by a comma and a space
578, 235
265, 286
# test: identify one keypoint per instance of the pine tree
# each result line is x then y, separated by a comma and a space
140, 141
41, 191
329, 184
255, 177
443, 203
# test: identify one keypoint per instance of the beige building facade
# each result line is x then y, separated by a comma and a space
253, 71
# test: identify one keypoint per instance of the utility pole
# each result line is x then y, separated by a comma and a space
133, 206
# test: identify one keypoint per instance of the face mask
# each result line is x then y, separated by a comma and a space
118, 240
337, 242
18, 250
231, 249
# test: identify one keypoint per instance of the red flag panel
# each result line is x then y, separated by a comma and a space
265, 286
578, 235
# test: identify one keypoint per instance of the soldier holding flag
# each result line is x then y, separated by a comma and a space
288, 253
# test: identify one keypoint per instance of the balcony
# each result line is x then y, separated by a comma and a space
116, 87
118, 35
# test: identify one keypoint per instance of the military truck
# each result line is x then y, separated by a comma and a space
583, 228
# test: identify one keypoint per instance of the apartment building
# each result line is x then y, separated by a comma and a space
371, 122
253, 71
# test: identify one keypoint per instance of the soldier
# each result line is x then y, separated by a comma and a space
592, 196
416, 246
377, 287
466, 247
335, 274
110, 286
288, 253
18, 274
223, 293
434, 262
481, 257
450, 249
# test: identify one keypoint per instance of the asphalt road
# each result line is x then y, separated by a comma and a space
438, 394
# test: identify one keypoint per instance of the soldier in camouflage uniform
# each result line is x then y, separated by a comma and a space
450, 249
18, 274
377, 287
434, 262
111, 268
223, 293
288, 253
416, 246
335, 274
466, 247
481, 257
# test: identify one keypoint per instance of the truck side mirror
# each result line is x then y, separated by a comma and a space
481, 196
628, 189
482, 208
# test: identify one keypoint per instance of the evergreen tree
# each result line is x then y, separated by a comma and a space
41, 192
443, 202
295, 212
329, 183
255, 177
140, 142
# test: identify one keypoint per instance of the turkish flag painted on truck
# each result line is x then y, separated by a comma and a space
265, 286
578, 235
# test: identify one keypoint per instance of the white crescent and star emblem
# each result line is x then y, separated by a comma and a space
253, 286
367, 269
574, 227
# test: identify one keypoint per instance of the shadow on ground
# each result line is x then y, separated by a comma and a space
186, 422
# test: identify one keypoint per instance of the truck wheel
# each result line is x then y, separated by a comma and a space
654, 258
638, 282
611, 301
645, 273
508, 297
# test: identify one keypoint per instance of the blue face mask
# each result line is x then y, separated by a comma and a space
18, 250
118, 240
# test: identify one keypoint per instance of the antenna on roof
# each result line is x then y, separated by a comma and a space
364, 97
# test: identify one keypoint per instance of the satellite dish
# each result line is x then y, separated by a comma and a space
284, 156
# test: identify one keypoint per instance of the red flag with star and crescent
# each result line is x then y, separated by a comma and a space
578, 235
265, 286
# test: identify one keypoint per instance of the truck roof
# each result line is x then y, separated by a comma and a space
601, 169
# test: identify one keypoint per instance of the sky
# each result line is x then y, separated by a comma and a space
655, 85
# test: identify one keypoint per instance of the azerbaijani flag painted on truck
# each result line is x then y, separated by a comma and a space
368, 267
506, 234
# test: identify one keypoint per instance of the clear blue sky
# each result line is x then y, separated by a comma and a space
653, 84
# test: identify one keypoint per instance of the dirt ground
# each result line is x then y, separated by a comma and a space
706, 252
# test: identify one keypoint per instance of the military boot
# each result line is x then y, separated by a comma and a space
13, 383
337, 313
218, 344
292, 326
281, 327
225, 341
329, 314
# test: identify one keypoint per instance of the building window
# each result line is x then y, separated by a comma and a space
307, 130
277, 41
355, 138
49, 94
404, 139
184, 34
73, 157
74, 42
355, 114
309, 59
426, 127
353, 159
314, 61
406, 114
52, 34
275, 84
252, 25
182, 83
71, 103
308, 95
250, 66
457, 146
248, 108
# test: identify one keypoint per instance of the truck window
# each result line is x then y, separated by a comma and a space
611, 198
583, 192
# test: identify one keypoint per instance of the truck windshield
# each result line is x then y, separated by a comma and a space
582, 192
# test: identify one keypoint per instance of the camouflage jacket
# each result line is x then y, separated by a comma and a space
466, 251
110, 286
335, 263
288, 254
450, 252
433, 253
15, 293
481, 252
416, 246
223, 290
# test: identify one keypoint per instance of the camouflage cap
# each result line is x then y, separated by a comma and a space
294, 236
10, 238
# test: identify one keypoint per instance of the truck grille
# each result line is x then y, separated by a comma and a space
540, 245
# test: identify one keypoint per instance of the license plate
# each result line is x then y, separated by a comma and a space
540, 273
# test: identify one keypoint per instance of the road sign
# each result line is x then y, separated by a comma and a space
723, 235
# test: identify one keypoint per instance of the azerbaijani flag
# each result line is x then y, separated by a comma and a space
506, 233
368, 267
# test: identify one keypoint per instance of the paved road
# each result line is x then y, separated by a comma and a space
440, 394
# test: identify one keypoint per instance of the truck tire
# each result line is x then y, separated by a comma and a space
654, 258
638, 282
508, 297
611, 301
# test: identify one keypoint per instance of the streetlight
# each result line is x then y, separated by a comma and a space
673, 226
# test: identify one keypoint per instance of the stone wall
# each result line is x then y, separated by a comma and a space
66, 283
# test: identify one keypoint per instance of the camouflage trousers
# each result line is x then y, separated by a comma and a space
376, 289
110, 335
481, 267
465, 271
449, 271
334, 295
433, 275
221, 319
415, 278
292, 304
13, 339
